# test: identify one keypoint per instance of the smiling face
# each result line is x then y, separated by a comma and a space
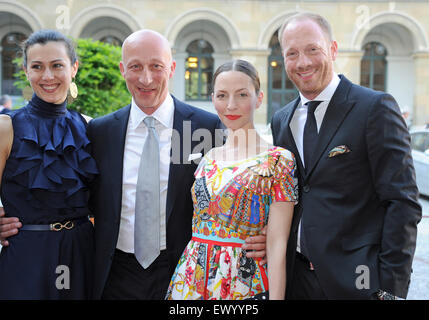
49, 71
235, 99
147, 66
309, 56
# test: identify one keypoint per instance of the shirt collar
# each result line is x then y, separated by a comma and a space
164, 114
327, 93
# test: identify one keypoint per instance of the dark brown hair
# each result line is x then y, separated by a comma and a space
241, 66
45, 36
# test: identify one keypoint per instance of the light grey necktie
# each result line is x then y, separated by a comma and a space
147, 221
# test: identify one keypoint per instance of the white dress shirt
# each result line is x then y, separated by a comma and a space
299, 118
134, 141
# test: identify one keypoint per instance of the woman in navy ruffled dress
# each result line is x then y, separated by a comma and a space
45, 170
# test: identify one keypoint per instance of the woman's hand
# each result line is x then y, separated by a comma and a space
8, 228
256, 247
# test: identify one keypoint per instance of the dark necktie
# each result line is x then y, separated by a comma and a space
310, 133
310, 140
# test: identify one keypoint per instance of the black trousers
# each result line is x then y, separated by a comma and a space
305, 285
128, 280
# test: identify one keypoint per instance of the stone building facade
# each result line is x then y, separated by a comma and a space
382, 44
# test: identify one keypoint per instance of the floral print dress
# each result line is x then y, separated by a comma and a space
231, 202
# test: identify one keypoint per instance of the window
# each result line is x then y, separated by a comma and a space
11, 46
374, 66
112, 40
199, 70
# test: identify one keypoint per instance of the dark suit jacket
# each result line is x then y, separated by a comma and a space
107, 135
360, 208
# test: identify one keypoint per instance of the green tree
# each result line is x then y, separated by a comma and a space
101, 86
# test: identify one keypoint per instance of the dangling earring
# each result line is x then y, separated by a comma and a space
73, 92
27, 93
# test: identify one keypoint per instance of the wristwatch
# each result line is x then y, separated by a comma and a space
383, 295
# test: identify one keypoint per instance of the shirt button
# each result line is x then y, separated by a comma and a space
306, 188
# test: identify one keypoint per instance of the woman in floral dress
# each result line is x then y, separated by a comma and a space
239, 189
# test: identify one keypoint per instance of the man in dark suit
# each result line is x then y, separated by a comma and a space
354, 229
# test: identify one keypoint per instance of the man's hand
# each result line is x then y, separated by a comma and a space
8, 227
257, 244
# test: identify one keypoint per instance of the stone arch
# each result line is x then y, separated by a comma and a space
83, 18
271, 27
105, 26
177, 25
420, 40
30, 18
212, 32
402, 36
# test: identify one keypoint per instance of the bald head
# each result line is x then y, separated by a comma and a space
147, 65
146, 36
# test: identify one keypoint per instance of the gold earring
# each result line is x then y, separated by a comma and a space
73, 92
27, 93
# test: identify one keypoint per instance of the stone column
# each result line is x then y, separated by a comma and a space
400, 81
421, 89
348, 63
219, 59
177, 83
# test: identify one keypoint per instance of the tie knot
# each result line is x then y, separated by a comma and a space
149, 122
312, 105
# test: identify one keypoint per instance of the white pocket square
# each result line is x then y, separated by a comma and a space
194, 156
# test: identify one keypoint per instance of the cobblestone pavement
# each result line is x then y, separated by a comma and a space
419, 286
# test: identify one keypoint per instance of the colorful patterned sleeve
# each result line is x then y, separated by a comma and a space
285, 185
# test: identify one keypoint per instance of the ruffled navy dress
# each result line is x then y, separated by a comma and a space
45, 181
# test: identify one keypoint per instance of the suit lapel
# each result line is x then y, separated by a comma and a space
181, 114
337, 110
117, 139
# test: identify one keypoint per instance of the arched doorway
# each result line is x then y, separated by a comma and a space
388, 64
106, 29
199, 48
